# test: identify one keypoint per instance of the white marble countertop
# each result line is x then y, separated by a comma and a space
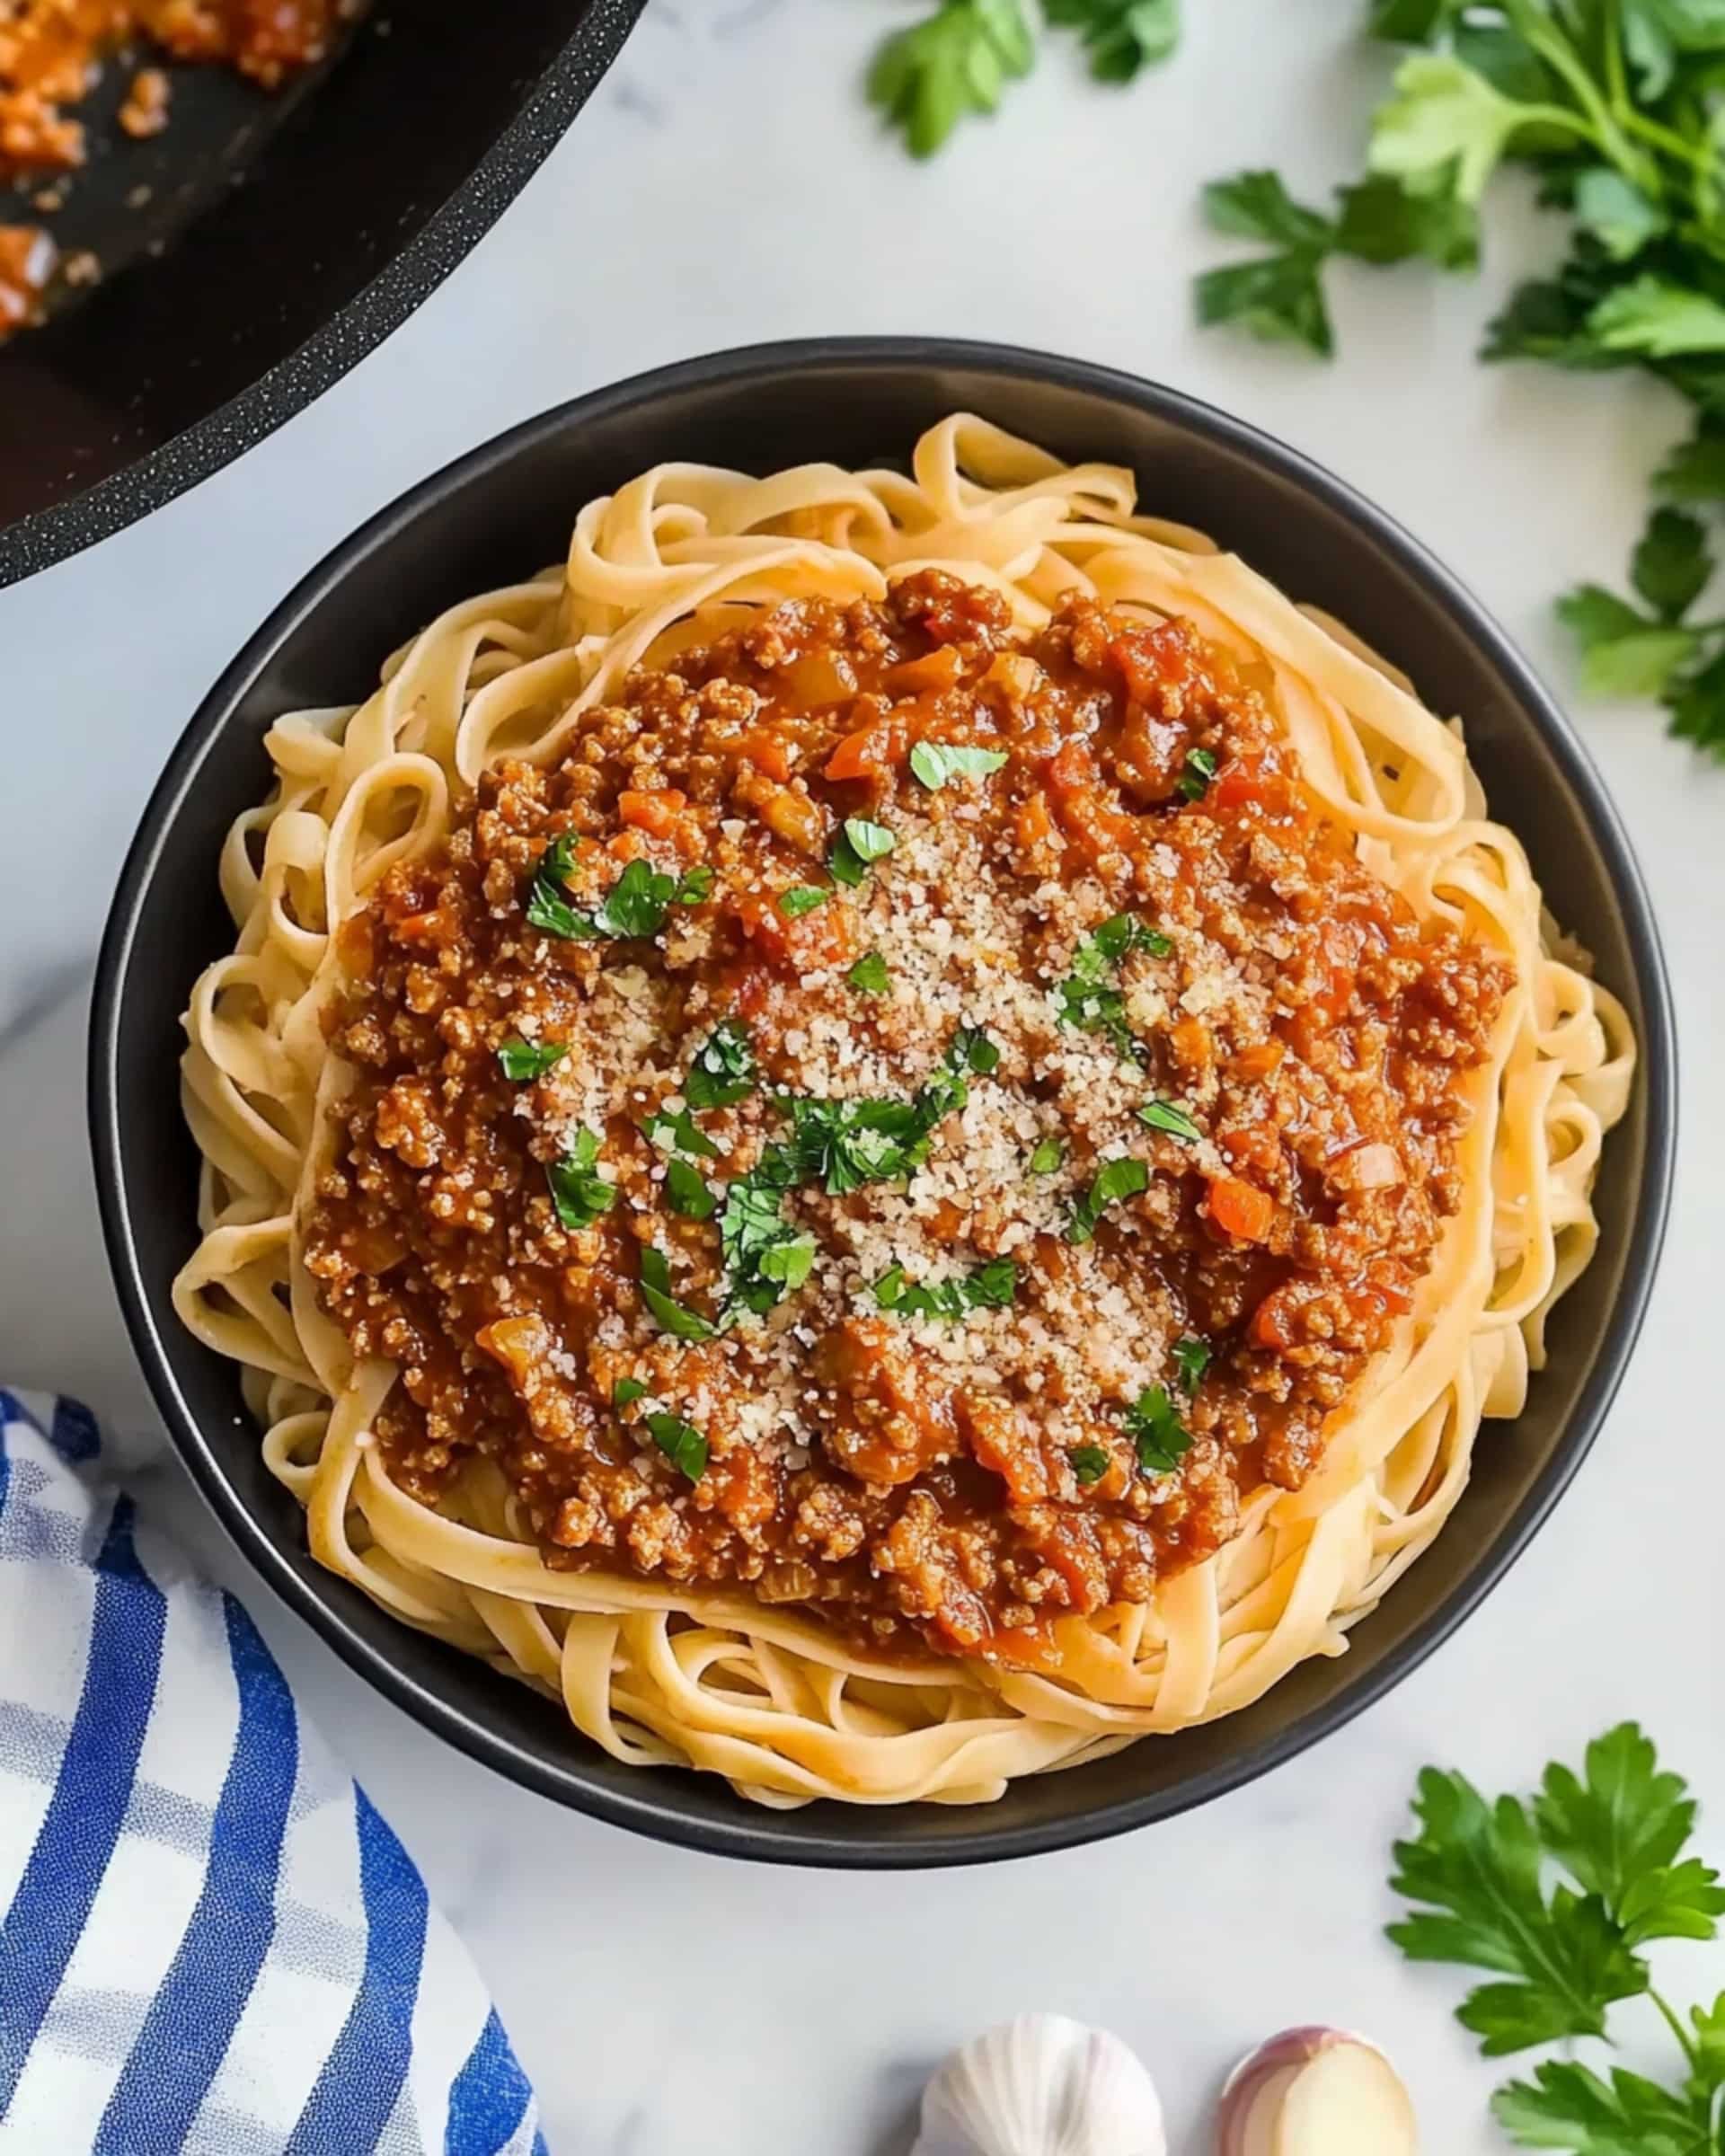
727, 185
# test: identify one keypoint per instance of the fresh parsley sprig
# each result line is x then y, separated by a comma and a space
1614, 106
960, 59
1484, 1880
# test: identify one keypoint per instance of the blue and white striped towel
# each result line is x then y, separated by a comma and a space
210, 1941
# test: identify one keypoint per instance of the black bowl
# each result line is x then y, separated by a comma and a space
283, 236
506, 509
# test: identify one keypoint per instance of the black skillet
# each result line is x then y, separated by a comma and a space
262, 244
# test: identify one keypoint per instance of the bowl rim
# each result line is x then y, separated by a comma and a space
798, 1837
151, 480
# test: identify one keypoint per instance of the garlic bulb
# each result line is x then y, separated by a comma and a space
1042, 2086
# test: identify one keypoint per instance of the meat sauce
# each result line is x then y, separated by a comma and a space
1101, 1106
51, 51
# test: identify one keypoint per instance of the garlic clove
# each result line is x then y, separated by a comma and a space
1042, 2086
1316, 2092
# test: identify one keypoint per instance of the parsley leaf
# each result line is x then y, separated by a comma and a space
1696, 702
802, 898
1159, 1438
723, 1070
1089, 1462
1164, 1115
1196, 773
1192, 1358
1619, 1832
1624, 652
679, 1133
548, 907
1477, 1869
626, 1392
680, 1441
636, 904
1114, 1181
858, 846
1085, 1001
1659, 317
524, 1060
674, 1317
1695, 469
578, 1191
990, 1286
1446, 129
694, 886
1277, 297
936, 762
686, 1191
1120, 36
1568, 2107
1048, 1157
971, 1049
927, 78
1671, 565
868, 976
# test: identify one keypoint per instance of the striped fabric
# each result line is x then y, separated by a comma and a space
209, 1939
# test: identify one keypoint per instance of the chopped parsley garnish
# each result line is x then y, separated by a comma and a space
680, 1441
1159, 1436
626, 1392
843, 1144
1195, 777
787, 1263
687, 1190
972, 1050
635, 904
579, 1192
1089, 1462
723, 1070
674, 1317
524, 1060
679, 1133
868, 976
548, 907
858, 846
991, 1287
802, 898
1164, 1115
1114, 1181
1049, 1156
1192, 1358
936, 762
765, 1256
1085, 1000
840, 1144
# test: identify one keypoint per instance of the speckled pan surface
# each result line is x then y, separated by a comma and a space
294, 236
505, 510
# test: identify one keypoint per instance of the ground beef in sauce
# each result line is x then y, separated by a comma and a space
51, 53
955, 1470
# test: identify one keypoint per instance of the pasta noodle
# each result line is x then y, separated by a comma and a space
768, 1696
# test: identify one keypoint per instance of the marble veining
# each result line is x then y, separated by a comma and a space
727, 185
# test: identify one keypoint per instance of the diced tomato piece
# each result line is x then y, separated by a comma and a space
941, 669
654, 813
1238, 785
869, 753
767, 751
1153, 662
1072, 766
1241, 1209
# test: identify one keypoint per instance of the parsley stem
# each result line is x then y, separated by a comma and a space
1616, 80
1675, 2027
1562, 57
1666, 139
